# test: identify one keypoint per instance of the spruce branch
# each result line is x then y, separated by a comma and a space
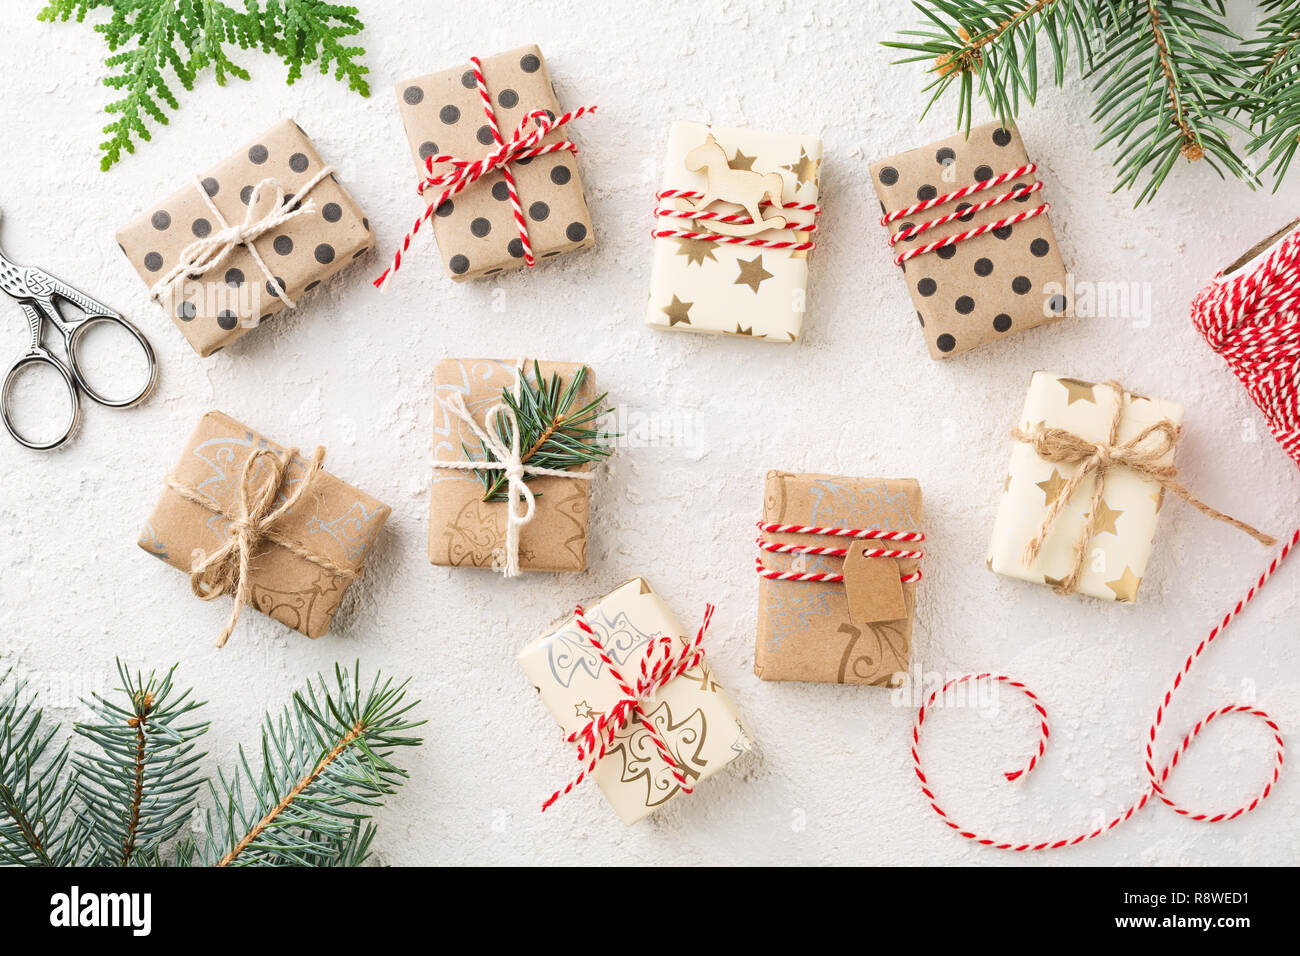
302, 32
139, 781
324, 762
1272, 98
552, 432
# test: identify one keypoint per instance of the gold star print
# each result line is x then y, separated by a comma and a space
1125, 586
1158, 496
677, 311
741, 161
1054, 583
584, 710
695, 251
752, 273
805, 170
1006, 483
1106, 518
740, 331
1079, 391
1051, 486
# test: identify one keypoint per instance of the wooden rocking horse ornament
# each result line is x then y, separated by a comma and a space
741, 187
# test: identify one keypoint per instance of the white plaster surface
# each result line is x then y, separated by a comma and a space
352, 370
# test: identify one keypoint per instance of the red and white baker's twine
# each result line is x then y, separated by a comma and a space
664, 659
912, 232
1253, 320
738, 219
860, 534
524, 144
1156, 778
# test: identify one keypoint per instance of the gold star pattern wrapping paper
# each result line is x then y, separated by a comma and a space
692, 713
1126, 519
724, 289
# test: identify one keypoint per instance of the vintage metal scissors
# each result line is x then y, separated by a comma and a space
35, 291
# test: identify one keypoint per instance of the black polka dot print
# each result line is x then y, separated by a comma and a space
1001, 322
983, 173
967, 211
275, 286
428, 148
1002, 137
575, 232
246, 195
484, 135
1021, 285
903, 229
413, 95
1002, 232
1040, 247
500, 191
445, 209
459, 265
298, 162
331, 212
927, 286
258, 154
492, 272
538, 211
211, 186
560, 175
945, 342
983, 267
227, 319
201, 227
324, 253
449, 114
234, 278
946, 252
944, 156
186, 311
480, 227
920, 318
889, 175
161, 220
965, 305
525, 161
283, 245
926, 193
264, 317
529, 63
516, 248
1057, 304
467, 80
508, 99
311, 285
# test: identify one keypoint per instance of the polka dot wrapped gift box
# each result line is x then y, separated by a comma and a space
968, 226
524, 208
247, 238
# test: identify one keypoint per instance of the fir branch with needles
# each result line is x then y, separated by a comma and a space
155, 43
554, 431
1171, 80
325, 763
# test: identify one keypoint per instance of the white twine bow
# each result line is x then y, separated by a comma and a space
206, 253
508, 462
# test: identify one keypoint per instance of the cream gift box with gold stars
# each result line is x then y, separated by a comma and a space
1116, 557
724, 288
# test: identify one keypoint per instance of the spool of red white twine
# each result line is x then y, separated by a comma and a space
1250, 314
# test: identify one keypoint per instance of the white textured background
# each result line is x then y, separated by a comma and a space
353, 370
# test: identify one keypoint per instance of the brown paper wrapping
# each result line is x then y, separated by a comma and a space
476, 230
465, 530
215, 309
333, 520
981, 289
833, 632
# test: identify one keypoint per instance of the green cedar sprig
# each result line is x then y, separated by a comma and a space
552, 432
153, 43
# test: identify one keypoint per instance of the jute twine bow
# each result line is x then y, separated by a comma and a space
227, 570
205, 254
508, 462
1059, 446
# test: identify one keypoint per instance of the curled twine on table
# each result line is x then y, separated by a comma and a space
1059, 446
205, 254
523, 145
1252, 319
659, 665
227, 570
508, 461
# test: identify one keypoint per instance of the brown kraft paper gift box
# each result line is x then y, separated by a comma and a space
465, 530
980, 289
333, 520
215, 309
476, 230
858, 631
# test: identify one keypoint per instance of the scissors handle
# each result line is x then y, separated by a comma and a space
39, 356
74, 344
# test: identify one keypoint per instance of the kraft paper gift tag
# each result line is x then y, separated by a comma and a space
692, 713
476, 230
702, 286
1126, 522
989, 286
333, 520
465, 530
858, 631
216, 308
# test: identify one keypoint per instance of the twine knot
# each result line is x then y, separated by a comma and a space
1144, 454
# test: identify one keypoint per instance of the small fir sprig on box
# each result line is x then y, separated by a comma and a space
123, 801
147, 39
552, 432
1170, 78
